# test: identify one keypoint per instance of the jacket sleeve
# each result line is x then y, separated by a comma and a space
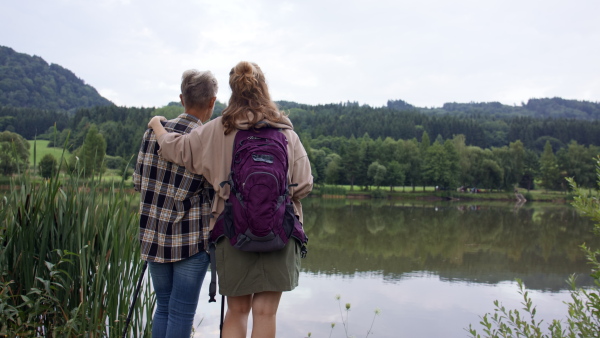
139, 166
183, 149
301, 175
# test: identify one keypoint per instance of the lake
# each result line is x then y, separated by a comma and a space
431, 269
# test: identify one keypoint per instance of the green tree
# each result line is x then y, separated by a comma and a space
351, 160
410, 157
424, 146
452, 163
425, 142
333, 168
368, 151
433, 165
577, 162
318, 165
531, 167
14, 153
390, 151
441, 166
464, 160
171, 111
511, 161
376, 173
493, 176
305, 139
549, 171
485, 171
90, 156
395, 174
517, 168
48, 166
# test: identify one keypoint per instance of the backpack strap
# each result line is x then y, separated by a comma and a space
303, 251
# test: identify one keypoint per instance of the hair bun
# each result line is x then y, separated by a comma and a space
250, 100
244, 78
245, 68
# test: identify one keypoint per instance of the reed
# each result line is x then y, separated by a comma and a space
69, 260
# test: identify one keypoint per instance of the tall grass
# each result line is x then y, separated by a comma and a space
69, 260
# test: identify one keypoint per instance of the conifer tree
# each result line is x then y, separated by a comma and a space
549, 171
91, 154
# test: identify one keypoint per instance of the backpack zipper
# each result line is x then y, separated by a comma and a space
260, 172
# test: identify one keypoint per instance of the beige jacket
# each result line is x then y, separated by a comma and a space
207, 151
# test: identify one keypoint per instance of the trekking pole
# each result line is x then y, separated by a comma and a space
212, 290
222, 312
135, 295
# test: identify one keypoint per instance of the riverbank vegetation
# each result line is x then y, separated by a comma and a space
583, 316
69, 259
429, 193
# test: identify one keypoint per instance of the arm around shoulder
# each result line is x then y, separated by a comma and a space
301, 172
302, 176
139, 165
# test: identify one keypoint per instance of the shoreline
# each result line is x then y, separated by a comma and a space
430, 196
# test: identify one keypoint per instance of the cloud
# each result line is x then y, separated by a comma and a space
426, 52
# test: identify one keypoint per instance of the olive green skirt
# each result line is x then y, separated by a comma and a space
242, 273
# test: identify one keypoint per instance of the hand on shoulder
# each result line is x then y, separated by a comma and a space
157, 126
155, 121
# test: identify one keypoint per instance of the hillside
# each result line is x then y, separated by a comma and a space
36, 96
30, 82
555, 107
481, 127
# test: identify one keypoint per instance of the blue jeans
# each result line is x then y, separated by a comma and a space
177, 287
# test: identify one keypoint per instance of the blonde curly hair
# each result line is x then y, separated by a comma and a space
250, 99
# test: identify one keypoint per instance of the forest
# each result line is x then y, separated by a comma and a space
364, 146
29, 81
477, 144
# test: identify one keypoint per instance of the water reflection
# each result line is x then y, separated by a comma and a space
474, 243
432, 269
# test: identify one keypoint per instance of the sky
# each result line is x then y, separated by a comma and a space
425, 52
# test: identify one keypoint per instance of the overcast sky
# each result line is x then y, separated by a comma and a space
425, 52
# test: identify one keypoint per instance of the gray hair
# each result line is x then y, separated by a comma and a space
198, 88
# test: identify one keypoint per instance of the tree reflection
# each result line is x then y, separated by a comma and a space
475, 243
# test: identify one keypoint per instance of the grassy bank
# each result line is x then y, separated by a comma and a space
430, 193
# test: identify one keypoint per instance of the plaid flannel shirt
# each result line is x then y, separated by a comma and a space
175, 205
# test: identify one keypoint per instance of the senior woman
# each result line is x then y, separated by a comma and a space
251, 281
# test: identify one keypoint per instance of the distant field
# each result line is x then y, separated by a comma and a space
42, 149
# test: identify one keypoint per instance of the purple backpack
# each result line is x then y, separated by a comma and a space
259, 215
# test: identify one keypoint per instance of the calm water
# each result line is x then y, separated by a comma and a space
432, 269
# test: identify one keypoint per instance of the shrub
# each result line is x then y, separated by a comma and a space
48, 166
378, 194
113, 162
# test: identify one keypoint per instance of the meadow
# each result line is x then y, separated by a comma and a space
39, 148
